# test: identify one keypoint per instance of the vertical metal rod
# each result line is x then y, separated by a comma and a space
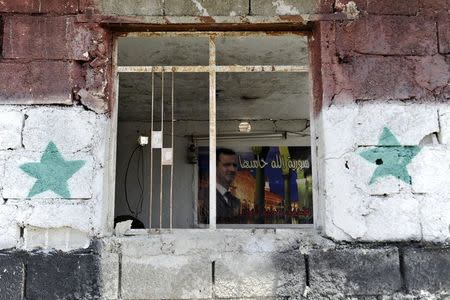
173, 154
151, 154
212, 132
162, 146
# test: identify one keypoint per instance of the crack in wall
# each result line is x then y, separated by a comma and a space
200, 8
439, 134
285, 9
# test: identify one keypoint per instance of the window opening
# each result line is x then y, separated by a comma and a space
265, 133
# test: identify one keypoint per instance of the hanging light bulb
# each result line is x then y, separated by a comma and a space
245, 127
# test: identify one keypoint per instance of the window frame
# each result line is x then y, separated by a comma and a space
212, 69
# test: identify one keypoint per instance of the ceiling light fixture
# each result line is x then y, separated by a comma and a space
245, 127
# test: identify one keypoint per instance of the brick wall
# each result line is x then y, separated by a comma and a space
377, 66
281, 264
388, 50
402, 41
384, 67
48, 55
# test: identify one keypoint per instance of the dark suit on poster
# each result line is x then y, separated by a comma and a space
227, 211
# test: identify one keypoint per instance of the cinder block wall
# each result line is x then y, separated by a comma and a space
388, 69
380, 73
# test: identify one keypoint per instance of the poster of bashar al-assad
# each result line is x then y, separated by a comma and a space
258, 185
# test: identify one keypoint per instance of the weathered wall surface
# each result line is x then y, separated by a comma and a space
49, 55
394, 164
381, 83
381, 112
40, 275
52, 170
269, 264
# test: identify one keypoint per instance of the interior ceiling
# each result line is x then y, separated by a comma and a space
242, 96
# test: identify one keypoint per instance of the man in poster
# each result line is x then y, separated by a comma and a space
227, 205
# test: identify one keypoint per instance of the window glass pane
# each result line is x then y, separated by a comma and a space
134, 163
288, 49
264, 172
163, 51
263, 143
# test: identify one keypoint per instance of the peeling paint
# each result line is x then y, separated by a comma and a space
285, 9
350, 9
200, 8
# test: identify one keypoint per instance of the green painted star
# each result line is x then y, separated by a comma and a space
390, 157
52, 172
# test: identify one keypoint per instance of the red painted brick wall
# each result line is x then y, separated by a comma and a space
392, 50
49, 53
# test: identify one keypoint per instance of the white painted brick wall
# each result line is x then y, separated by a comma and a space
344, 206
336, 131
430, 170
435, 217
11, 123
4, 156
409, 122
444, 122
388, 209
9, 229
59, 238
49, 221
392, 218
71, 130
54, 213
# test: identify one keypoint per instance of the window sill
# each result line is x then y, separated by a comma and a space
225, 229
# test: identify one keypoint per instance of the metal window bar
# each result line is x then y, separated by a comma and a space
212, 132
173, 151
212, 69
161, 150
151, 153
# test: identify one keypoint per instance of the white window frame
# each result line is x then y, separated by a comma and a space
212, 68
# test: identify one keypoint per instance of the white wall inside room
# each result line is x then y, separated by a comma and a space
271, 102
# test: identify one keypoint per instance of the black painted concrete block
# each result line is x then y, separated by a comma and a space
63, 276
11, 277
355, 271
427, 269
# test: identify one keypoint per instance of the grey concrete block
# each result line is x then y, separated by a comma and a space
63, 276
166, 277
132, 7
289, 7
427, 269
355, 271
110, 275
206, 8
280, 275
11, 277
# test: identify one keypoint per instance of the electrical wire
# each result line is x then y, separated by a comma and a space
134, 213
141, 186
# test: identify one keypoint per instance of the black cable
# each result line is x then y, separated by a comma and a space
143, 178
137, 170
125, 182
141, 185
